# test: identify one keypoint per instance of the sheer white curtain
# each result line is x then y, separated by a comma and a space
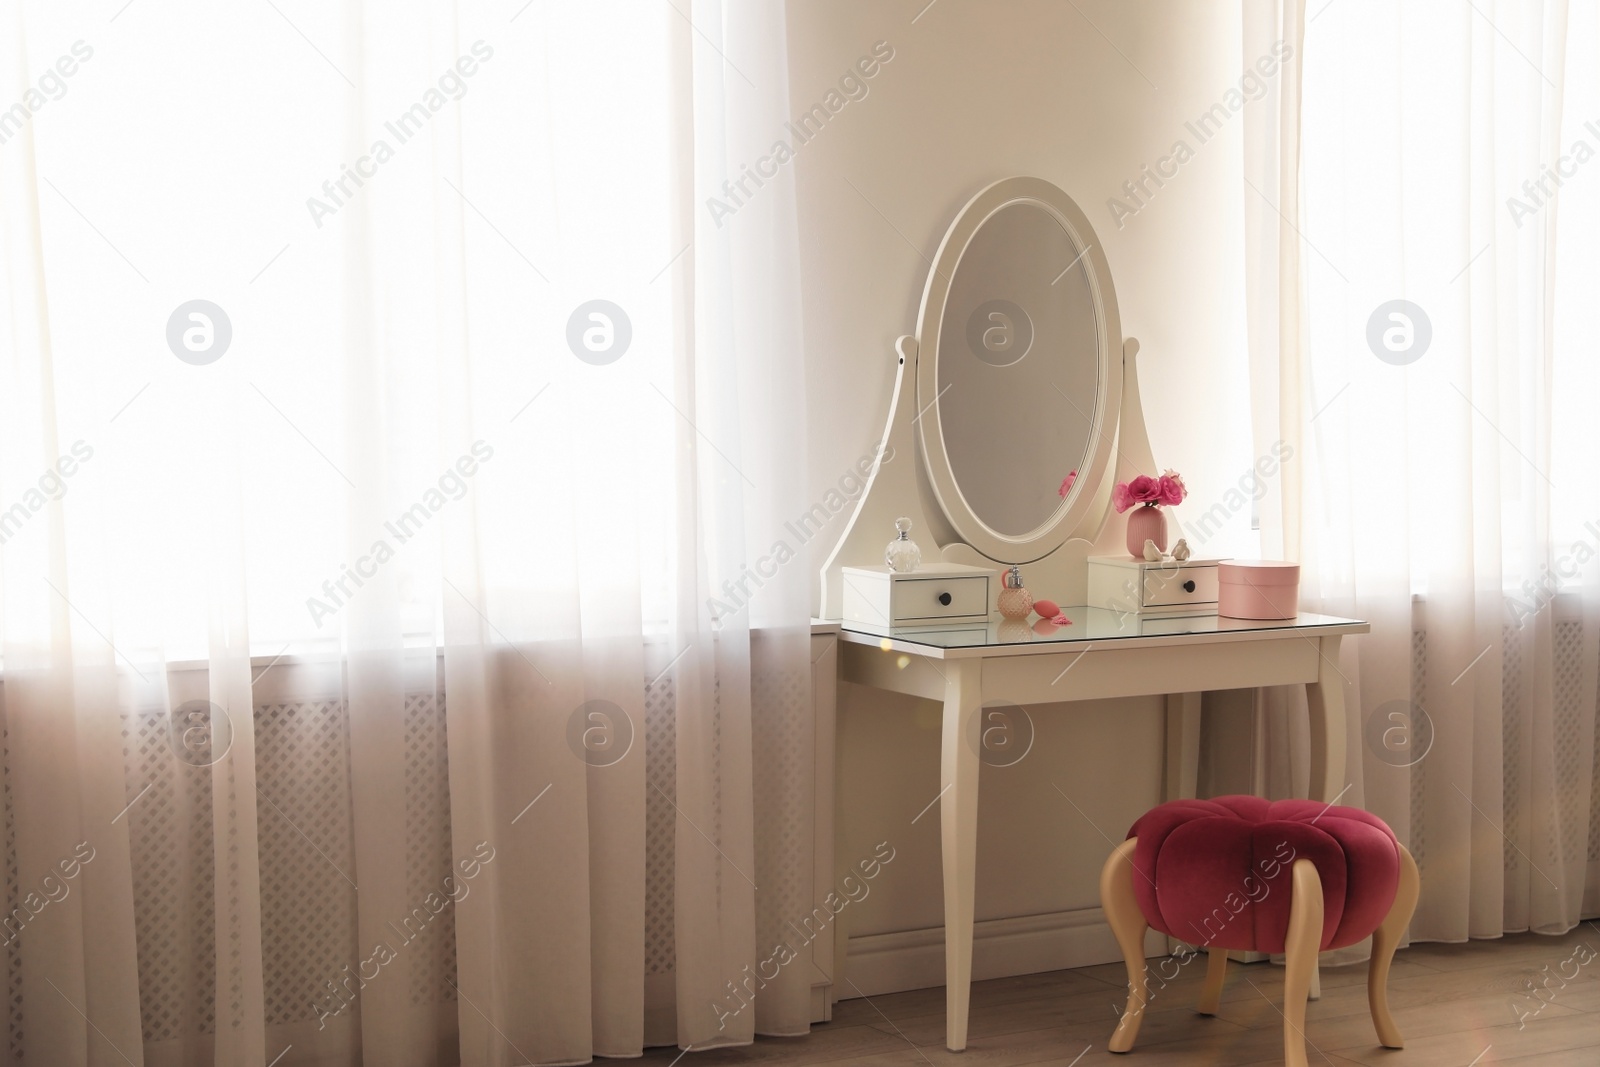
481, 408
1435, 153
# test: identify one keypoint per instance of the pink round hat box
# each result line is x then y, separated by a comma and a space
1258, 589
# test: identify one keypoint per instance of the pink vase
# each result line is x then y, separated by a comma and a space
1146, 522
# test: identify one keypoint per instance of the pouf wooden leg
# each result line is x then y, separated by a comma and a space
1384, 941
1127, 923
1301, 944
1216, 972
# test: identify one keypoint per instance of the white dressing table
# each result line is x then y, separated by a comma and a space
1104, 653
1018, 374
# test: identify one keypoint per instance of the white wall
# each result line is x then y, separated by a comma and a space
976, 91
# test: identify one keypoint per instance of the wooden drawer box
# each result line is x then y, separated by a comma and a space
933, 593
1137, 587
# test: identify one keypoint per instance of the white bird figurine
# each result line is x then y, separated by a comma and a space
1180, 551
1152, 554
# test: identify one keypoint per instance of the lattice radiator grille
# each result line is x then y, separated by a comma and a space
1576, 771
308, 909
661, 771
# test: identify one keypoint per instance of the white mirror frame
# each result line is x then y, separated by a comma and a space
1045, 539
895, 486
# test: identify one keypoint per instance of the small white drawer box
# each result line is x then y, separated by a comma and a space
1139, 587
933, 593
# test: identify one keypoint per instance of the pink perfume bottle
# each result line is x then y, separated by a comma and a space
1015, 601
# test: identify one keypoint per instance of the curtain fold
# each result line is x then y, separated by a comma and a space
415, 426
1434, 250
68, 926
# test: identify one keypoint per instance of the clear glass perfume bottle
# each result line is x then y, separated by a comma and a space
1015, 601
903, 555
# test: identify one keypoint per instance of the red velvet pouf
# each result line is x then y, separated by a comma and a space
1243, 873
1215, 873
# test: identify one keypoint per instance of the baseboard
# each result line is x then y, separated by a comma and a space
914, 959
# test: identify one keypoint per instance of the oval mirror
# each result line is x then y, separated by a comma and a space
1023, 386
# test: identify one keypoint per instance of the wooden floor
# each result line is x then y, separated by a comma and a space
1458, 1006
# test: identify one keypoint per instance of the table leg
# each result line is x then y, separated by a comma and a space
1325, 697
1183, 758
1183, 745
958, 817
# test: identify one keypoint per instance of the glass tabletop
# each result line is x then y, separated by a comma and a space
1086, 624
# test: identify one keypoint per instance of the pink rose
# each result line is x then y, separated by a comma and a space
1066, 483
1145, 490
1172, 487
1120, 497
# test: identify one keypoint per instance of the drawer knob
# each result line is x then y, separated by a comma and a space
1188, 587
944, 598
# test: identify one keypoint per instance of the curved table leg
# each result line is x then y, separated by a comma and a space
958, 818
1183, 745
1325, 697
